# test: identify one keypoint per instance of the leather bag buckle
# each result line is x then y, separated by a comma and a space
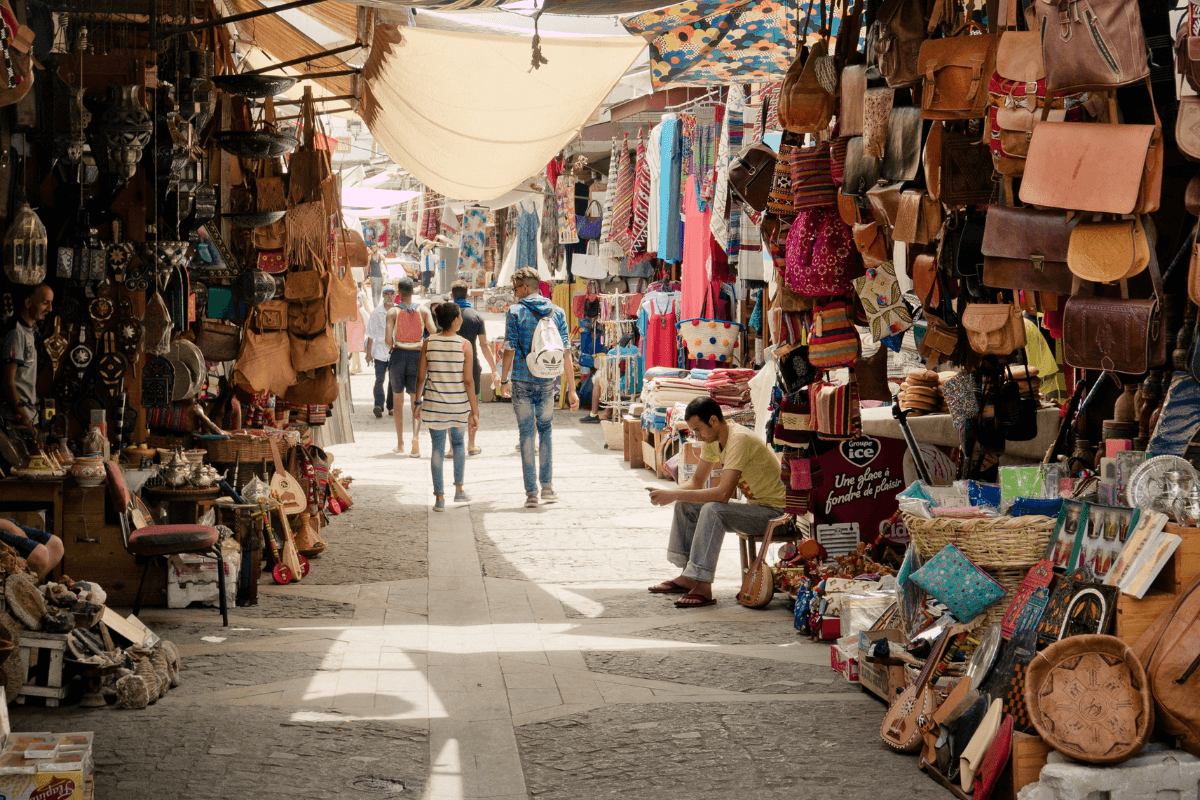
1037, 261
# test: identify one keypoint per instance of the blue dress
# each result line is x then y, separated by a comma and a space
670, 225
527, 239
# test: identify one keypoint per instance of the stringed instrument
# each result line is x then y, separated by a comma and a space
285, 487
901, 728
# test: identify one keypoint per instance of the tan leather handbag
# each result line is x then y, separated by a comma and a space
1111, 169
264, 363
850, 109
1024, 248
1091, 45
994, 328
871, 243
956, 70
1108, 251
894, 41
758, 584
918, 218
1187, 126
804, 105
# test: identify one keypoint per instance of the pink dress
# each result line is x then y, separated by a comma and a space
697, 251
661, 339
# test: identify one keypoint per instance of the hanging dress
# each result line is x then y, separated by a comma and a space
697, 252
661, 341
641, 199
669, 222
527, 237
653, 174
623, 204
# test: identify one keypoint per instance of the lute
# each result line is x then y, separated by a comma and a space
901, 728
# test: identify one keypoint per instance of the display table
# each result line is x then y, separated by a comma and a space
183, 506
937, 429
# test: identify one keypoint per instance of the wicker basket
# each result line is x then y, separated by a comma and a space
1010, 577
248, 448
992, 542
614, 434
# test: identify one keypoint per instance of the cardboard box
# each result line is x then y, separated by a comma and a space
1028, 756
1135, 616
844, 661
52, 785
881, 680
689, 459
867, 639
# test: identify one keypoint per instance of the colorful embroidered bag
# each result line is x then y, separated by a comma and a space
820, 250
832, 340
956, 582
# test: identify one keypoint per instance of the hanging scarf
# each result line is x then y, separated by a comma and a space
687, 143
551, 249
733, 117
431, 221
623, 205
610, 195
565, 194
710, 158
641, 199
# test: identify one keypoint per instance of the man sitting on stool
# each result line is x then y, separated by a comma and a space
703, 516
42, 551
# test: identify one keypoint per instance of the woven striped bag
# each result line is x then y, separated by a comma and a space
832, 340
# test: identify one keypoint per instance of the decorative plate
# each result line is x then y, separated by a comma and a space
984, 656
183, 350
25, 601
1146, 484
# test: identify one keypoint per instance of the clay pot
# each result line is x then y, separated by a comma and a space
89, 470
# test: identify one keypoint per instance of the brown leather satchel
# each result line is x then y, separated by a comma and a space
994, 328
804, 105
308, 318
885, 204
894, 41
924, 276
218, 339
1091, 45
304, 285
861, 171
1024, 248
1108, 251
957, 69
1170, 650
316, 388
270, 237
902, 157
1112, 169
1187, 55
751, 174
270, 316
918, 218
850, 109
871, 244
964, 174
1118, 335
1187, 126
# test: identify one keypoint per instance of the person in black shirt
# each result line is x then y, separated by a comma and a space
474, 331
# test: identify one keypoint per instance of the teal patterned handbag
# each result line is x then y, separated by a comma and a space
952, 579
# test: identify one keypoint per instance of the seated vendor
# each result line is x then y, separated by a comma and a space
42, 551
703, 516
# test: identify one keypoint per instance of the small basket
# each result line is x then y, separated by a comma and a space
248, 448
990, 542
614, 434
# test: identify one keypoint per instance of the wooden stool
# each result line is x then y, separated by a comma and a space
42, 660
748, 542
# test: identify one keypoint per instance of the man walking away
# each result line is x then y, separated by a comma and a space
703, 515
406, 326
533, 394
474, 331
375, 273
377, 348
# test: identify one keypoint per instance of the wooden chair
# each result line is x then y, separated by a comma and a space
146, 540
785, 532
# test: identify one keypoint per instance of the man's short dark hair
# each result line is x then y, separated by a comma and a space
458, 290
404, 286
705, 408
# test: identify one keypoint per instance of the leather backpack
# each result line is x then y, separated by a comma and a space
1187, 49
994, 328
1091, 45
804, 105
751, 174
1169, 651
958, 167
894, 41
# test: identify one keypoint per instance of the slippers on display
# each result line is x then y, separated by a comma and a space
668, 587
694, 601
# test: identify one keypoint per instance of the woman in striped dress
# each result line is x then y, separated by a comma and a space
446, 398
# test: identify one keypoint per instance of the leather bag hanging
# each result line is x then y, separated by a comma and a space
995, 329
306, 163
963, 167
269, 192
272, 261
902, 157
918, 218
877, 111
270, 237
314, 388
957, 69
1187, 49
1091, 45
1170, 652
304, 285
751, 175
218, 339
894, 41
1024, 248
308, 318
805, 106
264, 363
1108, 251
1112, 169
862, 170
310, 353
871, 244
270, 316
1187, 126
1117, 335
853, 89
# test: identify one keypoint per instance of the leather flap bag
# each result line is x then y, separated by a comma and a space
304, 285
307, 318
850, 113
902, 158
1112, 169
1108, 251
871, 243
270, 237
1024, 248
1187, 54
994, 328
270, 316
1019, 57
218, 339
1091, 44
956, 70
751, 175
894, 41
877, 111
885, 204
918, 219
1187, 127
862, 170
804, 105
965, 174
1191, 196
1118, 335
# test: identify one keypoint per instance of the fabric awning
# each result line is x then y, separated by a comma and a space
464, 114
283, 42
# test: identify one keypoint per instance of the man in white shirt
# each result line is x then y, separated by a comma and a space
377, 347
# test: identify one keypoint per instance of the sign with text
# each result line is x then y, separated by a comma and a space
860, 480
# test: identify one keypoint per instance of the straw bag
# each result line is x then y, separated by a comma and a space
707, 337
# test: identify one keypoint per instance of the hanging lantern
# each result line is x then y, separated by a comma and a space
25, 248
126, 127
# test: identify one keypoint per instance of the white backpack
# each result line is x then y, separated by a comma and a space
546, 350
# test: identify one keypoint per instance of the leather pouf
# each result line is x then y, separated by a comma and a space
25, 601
1089, 699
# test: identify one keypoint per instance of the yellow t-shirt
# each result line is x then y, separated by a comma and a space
758, 464
1039, 354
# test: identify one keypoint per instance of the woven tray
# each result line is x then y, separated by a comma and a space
995, 542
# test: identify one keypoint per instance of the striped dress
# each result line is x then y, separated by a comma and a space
445, 402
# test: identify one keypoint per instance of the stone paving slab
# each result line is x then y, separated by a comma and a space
720, 671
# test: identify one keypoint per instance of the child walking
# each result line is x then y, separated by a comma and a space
446, 399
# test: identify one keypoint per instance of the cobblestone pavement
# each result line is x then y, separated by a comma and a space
492, 652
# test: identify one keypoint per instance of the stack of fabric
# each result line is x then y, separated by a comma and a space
663, 389
730, 387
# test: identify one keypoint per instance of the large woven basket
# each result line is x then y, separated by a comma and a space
247, 448
1010, 577
994, 542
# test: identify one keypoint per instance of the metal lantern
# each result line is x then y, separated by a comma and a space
25, 248
254, 287
126, 127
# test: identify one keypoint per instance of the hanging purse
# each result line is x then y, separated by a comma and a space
218, 339
956, 69
805, 106
894, 41
833, 340
941, 326
964, 167
871, 244
862, 170
270, 237
1024, 248
820, 253
1111, 169
836, 411
918, 218
270, 316
317, 388
1091, 45
781, 201
877, 110
994, 328
811, 179
1104, 252
304, 285
853, 89
1118, 335
902, 156
264, 363
879, 292
1021, 407
272, 261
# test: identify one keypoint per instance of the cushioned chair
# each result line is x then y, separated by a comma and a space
149, 541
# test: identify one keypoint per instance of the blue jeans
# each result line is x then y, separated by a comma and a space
382, 398
534, 406
458, 444
699, 528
